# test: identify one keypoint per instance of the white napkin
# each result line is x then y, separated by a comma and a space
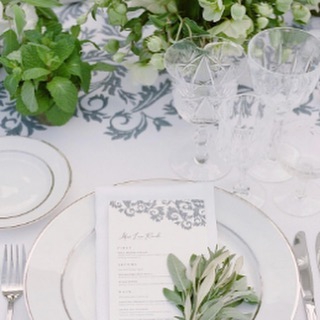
121, 215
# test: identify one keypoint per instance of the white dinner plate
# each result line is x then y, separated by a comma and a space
60, 273
34, 178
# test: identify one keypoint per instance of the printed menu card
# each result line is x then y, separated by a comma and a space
137, 227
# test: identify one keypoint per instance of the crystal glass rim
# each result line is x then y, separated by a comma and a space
251, 60
221, 40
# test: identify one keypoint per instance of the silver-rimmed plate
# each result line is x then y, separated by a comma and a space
60, 274
34, 178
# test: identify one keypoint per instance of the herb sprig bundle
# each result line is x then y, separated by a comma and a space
211, 288
44, 65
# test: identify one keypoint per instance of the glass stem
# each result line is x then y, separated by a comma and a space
301, 189
201, 139
275, 135
241, 186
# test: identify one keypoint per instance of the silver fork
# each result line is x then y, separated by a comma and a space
14, 260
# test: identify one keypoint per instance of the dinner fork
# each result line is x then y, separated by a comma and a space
14, 260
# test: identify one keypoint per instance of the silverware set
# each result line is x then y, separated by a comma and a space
14, 260
300, 250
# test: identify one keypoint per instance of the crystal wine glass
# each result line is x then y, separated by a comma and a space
299, 153
243, 138
205, 70
285, 68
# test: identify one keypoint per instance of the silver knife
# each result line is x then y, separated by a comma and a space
302, 257
318, 250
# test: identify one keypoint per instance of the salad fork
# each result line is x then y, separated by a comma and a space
14, 260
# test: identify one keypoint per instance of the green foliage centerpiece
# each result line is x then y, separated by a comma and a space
151, 26
44, 65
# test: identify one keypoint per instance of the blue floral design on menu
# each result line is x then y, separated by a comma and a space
184, 213
125, 111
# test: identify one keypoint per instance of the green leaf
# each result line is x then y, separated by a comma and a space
112, 46
11, 82
173, 296
30, 57
19, 18
28, 96
194, 27
43, 3
34, 73
212, 312
158, 20
10, 42
85, 76
178, 273
75, 31
47, 13
7, 63
48, 57
64, 94
57, 117
214, 263
44, 103
216, 291
33, 36
232, 313
194, 263
205, 286
103, 66
187, 307
64, 46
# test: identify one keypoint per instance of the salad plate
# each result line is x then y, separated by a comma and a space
34, 177
64, 287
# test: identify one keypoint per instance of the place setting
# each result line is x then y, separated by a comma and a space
70, 279
188, 186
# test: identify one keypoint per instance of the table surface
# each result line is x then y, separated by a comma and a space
124, 131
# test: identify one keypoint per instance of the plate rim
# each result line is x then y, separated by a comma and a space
58, 189
225, 192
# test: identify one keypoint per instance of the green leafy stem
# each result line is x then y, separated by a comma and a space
45, 69
211, 288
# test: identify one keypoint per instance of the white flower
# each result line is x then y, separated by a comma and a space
234, 29
157, 60
238, 11
212, 9
154, 43
262, 22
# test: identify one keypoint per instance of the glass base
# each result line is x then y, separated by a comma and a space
184, 164
255, 193
270, 171
300, 207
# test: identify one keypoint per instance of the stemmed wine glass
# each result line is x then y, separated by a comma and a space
244, 133
205, 70
299, 153
285, 68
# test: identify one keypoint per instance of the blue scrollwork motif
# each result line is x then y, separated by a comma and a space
125, 111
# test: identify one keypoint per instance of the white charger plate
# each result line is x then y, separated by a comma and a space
34, 178
60, 276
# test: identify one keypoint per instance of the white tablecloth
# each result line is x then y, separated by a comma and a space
127, 132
